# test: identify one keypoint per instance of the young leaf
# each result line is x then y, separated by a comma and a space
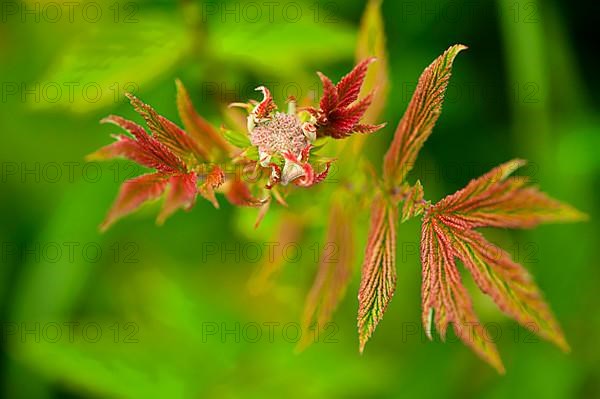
214, 179
493, 200
180, 194
444, 295
420, 117
162, 151
497, 200
145, 149
238, 194
414, 203
339, 112
333, 275
508, 284
378, 277
169, 133
196, 126
134, 193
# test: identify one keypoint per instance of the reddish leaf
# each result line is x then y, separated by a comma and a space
445, 297
337, 117
349, 87
145, 149
493, 200
344, 120
497, 200
198, 128
330, 97
378, 277
125, 147
214, 179
180, 194
169, 133
414, 203
239, 194
420, 117
508, 284
134, 193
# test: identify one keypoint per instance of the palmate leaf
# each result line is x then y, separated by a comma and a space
178, 158
445, 298
420, 117
340, 112
333, 275
497, 200
378, 277
448, 235
493, 200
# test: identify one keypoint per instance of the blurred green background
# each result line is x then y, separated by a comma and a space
174, 311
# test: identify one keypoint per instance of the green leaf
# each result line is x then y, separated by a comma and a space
103, 62
237, 139
281, 48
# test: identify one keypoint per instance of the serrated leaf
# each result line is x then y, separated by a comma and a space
169, 134
340, 112
497, 200
508, 284
134, 193
378, 276
414, 203
420, 117
493, 200
142, 148
181, 193
443, 293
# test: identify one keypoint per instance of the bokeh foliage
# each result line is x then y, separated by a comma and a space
524, 89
